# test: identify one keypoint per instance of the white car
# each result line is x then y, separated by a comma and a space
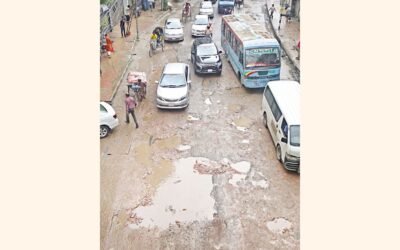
108, 119
173, 88
206, 8
200, 25
173, 30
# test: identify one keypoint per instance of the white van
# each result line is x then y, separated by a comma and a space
281, 116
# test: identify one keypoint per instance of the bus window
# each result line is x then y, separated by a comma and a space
241, 57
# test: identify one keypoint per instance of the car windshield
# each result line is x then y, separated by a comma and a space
262, 57
201, 21
206, 5
206, 50
173, 25
172, 81
295, 135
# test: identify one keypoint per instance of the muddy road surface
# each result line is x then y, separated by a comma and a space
205, 177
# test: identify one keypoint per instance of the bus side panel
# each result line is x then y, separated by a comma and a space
233, 59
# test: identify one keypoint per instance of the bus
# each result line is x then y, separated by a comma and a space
255, 55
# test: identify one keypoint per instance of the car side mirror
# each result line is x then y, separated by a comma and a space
189, 82
284, 140
220, 52
156, 82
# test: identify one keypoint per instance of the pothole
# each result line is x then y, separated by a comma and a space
183, 197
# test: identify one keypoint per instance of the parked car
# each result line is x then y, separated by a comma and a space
173, 30
206, 8
200, 25
173, 87
205, 56
108, 119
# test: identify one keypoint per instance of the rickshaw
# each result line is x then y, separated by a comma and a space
139, 90
154, 45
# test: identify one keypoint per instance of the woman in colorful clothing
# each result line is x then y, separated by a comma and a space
109, 47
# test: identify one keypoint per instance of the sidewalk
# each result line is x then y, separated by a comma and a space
288, 35
112, 69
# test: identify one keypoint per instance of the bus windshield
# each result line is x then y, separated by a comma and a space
262, 57
295, 135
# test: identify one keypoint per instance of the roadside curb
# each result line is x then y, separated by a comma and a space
131, 58
278, 38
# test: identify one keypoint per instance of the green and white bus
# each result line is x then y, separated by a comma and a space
255, 55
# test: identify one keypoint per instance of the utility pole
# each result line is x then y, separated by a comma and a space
137, 25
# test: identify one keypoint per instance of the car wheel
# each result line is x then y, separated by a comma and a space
265, 120
104, 130
279, 153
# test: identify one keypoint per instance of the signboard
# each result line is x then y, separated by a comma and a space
263, 51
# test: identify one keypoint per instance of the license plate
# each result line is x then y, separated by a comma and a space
209, 70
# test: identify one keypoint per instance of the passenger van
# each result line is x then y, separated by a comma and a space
281, 116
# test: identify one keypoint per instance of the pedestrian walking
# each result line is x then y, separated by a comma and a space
151, 4
271, 11
209, 30
128, 13
109, 47
130, 105
122, 26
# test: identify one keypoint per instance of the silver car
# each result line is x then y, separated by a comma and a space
173, 88
173, 30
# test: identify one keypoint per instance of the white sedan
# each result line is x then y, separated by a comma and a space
108, 119
173, 30
200, 25
206, 8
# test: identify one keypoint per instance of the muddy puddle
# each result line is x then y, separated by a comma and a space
242, 123
235, 108
143, 154
163, 170
167, 143
279, 225
183, 197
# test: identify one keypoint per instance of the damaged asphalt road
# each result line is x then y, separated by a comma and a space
202, 178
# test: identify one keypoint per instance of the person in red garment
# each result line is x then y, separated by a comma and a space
109, 46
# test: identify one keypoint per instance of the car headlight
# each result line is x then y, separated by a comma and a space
290, 157
182, 98
160, 98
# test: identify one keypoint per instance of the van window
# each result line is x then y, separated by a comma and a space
284, 128
295, 135
276, 111
268, 96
